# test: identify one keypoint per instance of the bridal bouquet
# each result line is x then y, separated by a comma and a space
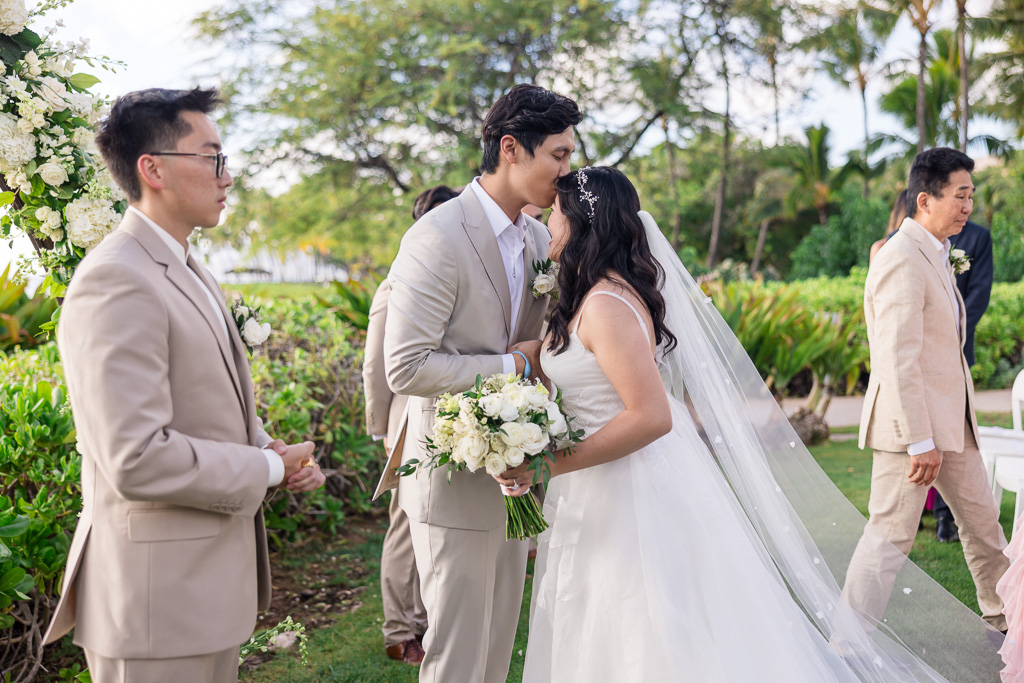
500, 423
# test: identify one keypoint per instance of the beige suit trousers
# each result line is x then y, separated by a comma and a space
216, 667
471, 581
404, 614
895, 509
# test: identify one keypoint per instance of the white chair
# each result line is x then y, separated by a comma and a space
1016, 399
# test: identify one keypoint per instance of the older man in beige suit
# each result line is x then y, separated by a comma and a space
460, 300
918, 413
169, 563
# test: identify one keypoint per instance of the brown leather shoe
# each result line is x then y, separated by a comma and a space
409, 651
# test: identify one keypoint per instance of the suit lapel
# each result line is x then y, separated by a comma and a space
934, 258
481, 236
239, 367
177, 273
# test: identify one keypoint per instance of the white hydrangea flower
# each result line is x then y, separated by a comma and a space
13, 17
89, 220
17, 147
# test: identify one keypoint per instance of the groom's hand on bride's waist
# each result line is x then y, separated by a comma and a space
531, 351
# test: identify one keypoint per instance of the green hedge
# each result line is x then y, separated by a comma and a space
999, 337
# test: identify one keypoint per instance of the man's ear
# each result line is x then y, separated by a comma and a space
509, 147
152, 171
923, 200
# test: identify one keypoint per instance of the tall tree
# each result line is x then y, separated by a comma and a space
394, 91
1005, 63
921, 15
849, 49
815, 182
965, 79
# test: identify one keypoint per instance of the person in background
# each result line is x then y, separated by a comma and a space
405, 618
975, 285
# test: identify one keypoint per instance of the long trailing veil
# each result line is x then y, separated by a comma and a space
805, 523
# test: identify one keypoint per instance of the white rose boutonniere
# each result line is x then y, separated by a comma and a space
546, 282
960, 261
252, 331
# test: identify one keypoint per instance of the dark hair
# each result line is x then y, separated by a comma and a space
147, 121
930, 173
611, 245
528, 113
428, 199
898, 213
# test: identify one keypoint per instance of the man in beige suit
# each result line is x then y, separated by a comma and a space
405, 617
169, 564
460, 300
918, 413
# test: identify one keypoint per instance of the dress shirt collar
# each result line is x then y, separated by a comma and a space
495, 216
939, 246
172, 244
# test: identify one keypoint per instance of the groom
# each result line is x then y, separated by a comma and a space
460, 298
169, 562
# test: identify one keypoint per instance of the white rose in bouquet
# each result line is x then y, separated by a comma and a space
514, 456
536, 397
509, 412
53, 173
491, 405
54, 92
474, 450
513, 433
558, 424
534, 439
494, 464
255, 333
13, 17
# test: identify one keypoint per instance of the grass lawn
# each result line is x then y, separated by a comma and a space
352, 649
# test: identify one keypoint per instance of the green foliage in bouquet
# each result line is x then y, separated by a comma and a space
39, 501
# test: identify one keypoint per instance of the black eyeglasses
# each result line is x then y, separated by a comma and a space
222, 159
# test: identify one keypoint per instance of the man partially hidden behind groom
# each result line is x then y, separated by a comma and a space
169, 562
460, 300
918, 413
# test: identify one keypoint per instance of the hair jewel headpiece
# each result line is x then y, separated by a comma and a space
586, 195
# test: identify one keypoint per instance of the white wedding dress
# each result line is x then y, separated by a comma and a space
651, 571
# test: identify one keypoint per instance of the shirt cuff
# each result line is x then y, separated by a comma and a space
921, 447
276, 467
508, 364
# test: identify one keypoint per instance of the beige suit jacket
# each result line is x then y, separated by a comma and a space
169, 558
449, 320
384, 408
920, 383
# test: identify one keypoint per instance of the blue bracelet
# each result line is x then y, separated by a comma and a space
526, 372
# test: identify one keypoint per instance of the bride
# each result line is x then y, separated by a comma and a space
693, 538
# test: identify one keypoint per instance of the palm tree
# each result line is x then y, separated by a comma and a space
920, 13
815, 184
1005, 23
849, 49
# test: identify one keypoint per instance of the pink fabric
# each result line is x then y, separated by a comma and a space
1009, 589
929, 502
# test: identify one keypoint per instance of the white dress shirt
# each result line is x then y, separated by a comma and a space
944, 246
511, 236
273, 459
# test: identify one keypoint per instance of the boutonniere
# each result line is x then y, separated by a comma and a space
960, 261
250, 329
546, 282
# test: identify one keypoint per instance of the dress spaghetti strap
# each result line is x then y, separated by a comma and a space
639, 318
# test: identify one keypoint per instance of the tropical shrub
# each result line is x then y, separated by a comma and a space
39, 502
832, 249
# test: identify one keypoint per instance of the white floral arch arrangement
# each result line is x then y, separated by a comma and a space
54, 186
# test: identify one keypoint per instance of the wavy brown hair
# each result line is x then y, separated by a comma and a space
611, 245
